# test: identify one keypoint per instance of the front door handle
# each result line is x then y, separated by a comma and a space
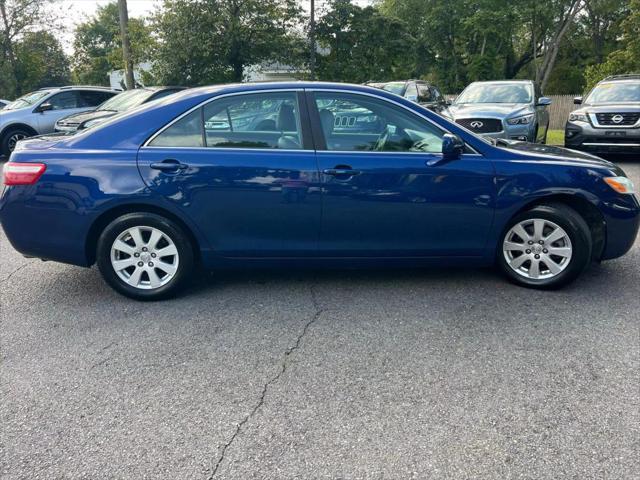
169, 165
341, 172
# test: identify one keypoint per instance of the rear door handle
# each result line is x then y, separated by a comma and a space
169, 165
341, 172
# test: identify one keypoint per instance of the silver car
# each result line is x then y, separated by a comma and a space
511, 109
37, 112
608, 120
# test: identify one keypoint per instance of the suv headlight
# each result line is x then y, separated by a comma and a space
523, 120
621, 184
578, 117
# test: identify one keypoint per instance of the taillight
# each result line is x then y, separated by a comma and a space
22, 173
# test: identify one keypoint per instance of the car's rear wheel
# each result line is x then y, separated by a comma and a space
10, 138
145, 256
547, 246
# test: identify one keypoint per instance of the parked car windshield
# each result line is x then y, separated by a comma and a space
126, 100
615, 93
394, 87
496, 93
27, 100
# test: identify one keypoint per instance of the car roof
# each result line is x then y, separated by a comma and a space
503, 81
79, 87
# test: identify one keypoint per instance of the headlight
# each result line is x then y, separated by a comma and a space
578, 117
620, 184
524, 120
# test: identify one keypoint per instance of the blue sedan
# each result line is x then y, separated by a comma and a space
311, 173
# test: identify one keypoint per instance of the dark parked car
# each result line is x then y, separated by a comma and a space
162, 188
608, 120
120, 103
419, 91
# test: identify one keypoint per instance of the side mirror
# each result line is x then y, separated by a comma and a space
448, 103
544, 101
577, 100
45, 107
452, 146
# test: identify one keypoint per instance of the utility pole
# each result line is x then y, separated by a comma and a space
312, 42
126, 45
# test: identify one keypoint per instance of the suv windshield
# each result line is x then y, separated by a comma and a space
27, 100
613, 92
126, 100
496, 93
394, 87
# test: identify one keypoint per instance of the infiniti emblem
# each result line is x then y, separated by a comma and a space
476, 124
617, 118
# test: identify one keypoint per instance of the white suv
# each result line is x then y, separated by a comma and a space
37, 112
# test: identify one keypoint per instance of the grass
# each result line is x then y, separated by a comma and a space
555, 137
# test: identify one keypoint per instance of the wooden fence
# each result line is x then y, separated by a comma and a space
561, 106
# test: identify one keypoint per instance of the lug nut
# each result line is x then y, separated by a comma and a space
545, 250
144, 249
153, 255
136, 254
541, 242
530, 242
537, 256
151, 264
528, 251
140, 264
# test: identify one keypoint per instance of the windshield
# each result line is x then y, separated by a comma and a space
496, 93
126, 100
615, 93
394, 87
27, 100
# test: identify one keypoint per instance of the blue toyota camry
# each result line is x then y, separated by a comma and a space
309, 173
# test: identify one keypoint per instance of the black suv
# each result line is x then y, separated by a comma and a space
609, 119
419, 91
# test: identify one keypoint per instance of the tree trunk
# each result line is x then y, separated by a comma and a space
126, 45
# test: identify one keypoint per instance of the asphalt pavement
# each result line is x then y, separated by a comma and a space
378, 374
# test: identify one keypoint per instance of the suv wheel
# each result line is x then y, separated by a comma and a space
547, 246
145, 256
10, 138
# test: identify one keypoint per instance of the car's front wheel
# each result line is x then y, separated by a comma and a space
547, 246
145, 256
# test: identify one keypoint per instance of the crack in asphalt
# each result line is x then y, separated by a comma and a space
283, 368
15, 271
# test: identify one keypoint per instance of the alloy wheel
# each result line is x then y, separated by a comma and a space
537, 249
144, 257
15, 138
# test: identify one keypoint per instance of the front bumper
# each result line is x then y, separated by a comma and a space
622, 219
585, 137
525, 133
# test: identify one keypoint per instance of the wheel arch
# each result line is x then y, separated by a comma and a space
586, 209
108, 216
14, 126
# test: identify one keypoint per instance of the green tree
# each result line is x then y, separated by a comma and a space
211, 41
627, 58
41, 61
18, 18
98, 47
363, 44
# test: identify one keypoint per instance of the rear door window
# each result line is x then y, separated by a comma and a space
260, 120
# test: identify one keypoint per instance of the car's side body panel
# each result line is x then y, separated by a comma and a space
278, 195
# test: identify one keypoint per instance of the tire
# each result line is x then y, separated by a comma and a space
566, 256
7, 142
136, 242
